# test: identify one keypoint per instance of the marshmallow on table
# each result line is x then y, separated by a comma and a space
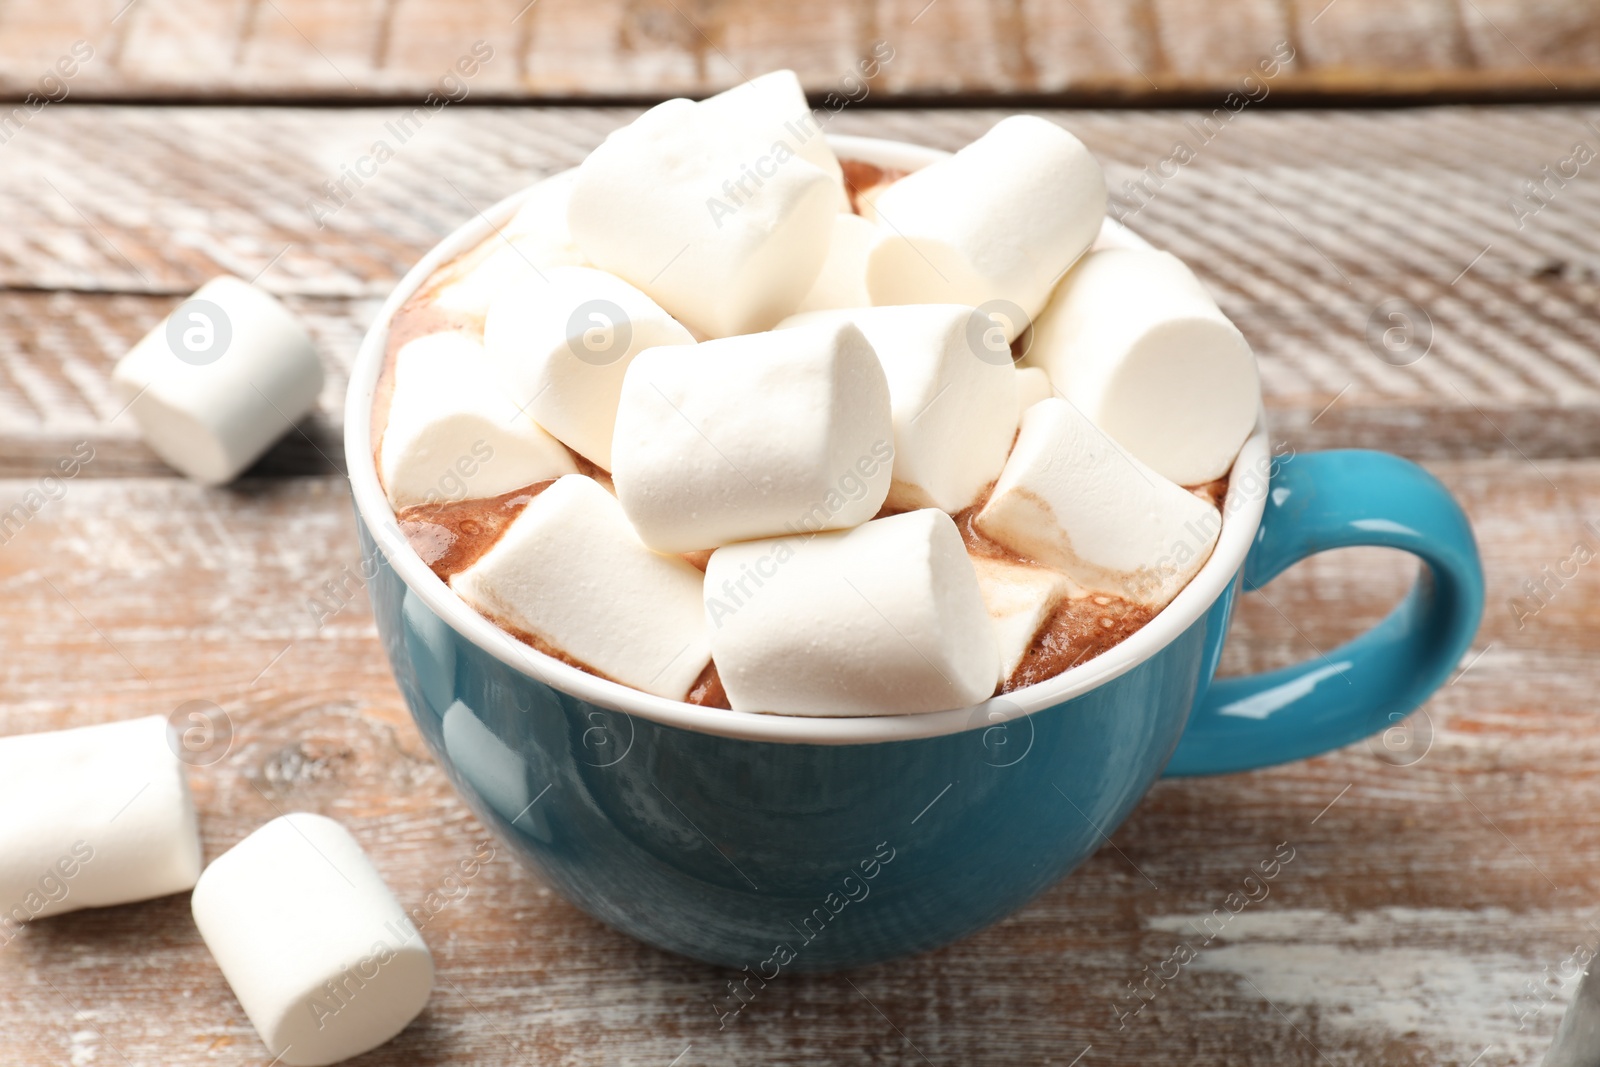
323, 959
884, 619
999, 220
954, 404
704, 208
518, 256
1033, 385
776, 104
753, 436
1074, 501
1020, 598
221, 379
842, 282
571, 572
563, 345
93, 816
1133, 339
453, 433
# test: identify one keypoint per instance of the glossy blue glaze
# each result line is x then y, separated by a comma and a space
785, 857
1336, 500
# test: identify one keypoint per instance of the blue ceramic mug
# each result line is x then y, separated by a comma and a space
781, 844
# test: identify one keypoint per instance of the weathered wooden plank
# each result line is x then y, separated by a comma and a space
583, 49
1430, 884
1305, 225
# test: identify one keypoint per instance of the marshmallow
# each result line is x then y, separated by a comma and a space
1033, 385
1134, 340
518, 256
453, 433
220, 380
323, 959
570, 572
867, 199
842, 282
1072, 500
1020, 598
563, 346
753, 436
775, 103
93, 816
998, 221
718, 220
884, 619
954, 403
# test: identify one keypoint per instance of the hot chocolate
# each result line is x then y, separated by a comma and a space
744, 517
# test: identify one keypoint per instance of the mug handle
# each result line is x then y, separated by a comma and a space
1337, 499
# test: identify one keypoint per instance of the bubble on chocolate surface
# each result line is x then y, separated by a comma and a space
200, 732
1002, 730
199, 332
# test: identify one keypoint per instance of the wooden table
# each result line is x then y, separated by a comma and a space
1436, 879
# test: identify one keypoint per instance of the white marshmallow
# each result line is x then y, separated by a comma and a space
93, 816
1135, 341
323, 959
1020, 598
571, 572
518, 257
1033, 385
867, 200
954, 403
660, 204
220, 380
1072, 500
775, 103
563, 346
999, 220
453, 433
753, 436
842, 282
884, 619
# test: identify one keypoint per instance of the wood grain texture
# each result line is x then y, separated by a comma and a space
1304, 225
1460, 861
1438, 871
1126, 49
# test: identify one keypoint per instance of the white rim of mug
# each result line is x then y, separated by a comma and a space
1242, 511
